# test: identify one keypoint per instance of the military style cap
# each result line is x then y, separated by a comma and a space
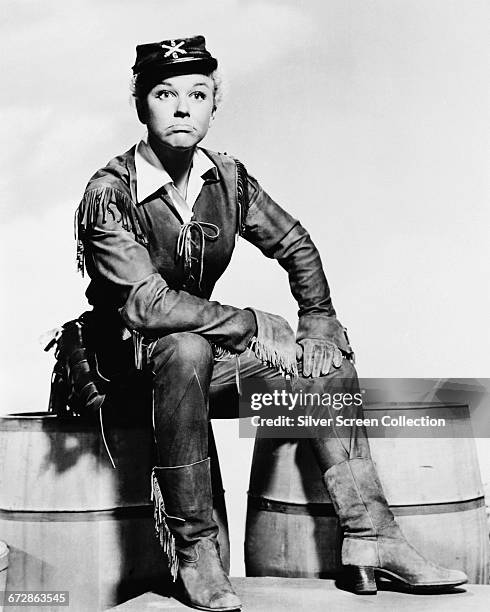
172, 57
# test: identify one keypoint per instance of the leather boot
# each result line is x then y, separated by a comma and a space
188, 534
373, 542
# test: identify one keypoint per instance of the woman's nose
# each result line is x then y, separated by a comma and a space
182, 108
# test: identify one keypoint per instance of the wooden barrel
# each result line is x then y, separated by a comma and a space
4, 563
432, 484
73, 522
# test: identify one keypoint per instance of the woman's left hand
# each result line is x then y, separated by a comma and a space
318, 356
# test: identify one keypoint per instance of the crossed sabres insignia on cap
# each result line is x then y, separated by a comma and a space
173, 49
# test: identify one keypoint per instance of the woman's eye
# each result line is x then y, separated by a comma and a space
164, 93
198, 95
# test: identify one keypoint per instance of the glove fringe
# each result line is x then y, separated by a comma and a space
285, 362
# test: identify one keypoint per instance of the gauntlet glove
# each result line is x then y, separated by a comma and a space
323, 342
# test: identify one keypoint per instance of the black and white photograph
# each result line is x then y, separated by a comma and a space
245, 341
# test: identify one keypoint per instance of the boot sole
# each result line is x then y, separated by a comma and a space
361, 580
206, 609
433, 587
179, 596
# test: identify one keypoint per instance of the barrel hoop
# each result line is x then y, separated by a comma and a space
47, 516
440, 508
123, 512
271, 505
397, 406
327, 509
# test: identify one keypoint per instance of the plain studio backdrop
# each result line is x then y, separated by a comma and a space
366, 119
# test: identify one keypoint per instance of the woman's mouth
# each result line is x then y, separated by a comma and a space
181, 128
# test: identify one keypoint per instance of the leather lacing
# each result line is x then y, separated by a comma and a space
185, 243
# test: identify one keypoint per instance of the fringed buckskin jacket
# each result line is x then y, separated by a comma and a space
154, 275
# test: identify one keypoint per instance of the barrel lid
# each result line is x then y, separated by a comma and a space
4, 556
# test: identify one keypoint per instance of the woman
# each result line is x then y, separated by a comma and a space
157, 228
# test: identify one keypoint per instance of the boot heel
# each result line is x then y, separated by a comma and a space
358, 579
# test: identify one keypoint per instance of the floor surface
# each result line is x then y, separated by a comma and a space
297, 594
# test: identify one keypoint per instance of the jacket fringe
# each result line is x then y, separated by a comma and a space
97, 204
268, 354
220, 353
138, 349
142, 349
242, 196
162, 530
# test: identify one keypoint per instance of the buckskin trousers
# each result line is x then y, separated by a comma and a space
185, 376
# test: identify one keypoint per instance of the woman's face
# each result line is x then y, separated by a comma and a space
179, 110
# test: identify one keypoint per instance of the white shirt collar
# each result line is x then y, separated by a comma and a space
151, 175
